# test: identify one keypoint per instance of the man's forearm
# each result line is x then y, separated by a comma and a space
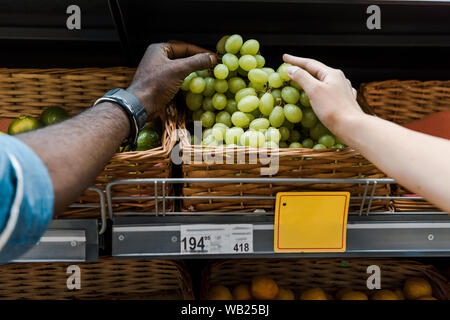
76, 150
418, 161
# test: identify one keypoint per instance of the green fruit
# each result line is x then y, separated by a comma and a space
53, 115
24, 124
148, 139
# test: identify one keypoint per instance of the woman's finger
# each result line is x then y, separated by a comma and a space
303, 78
314, 67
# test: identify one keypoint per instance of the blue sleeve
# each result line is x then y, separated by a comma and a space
26, 198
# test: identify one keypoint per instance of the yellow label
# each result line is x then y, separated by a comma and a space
311, 221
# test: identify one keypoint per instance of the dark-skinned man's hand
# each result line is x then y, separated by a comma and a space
162, 70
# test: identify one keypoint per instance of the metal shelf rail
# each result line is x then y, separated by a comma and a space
68, 240
369, 233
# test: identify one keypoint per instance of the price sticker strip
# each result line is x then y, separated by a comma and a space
216, 238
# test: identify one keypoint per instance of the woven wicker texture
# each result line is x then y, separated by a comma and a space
30, 91
106, 279
403, 102
328, 274
293, 163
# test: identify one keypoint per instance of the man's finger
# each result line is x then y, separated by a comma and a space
303, 78
179, 49
197, 62
314, 67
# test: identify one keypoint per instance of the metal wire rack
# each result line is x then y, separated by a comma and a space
161, 199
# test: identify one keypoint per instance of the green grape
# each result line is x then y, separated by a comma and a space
304, 100
197, 85
231, 106
204, 73
276, 95
327, 140
250, 117
309, 119
319, 146
318, 130
273, 134
194, 101
250, 47
294, 84
231, 61
187, 81
271, 144
285, 133
207, 119
257, 76
253, 139
290, 95
275, 80
288, 124
206, 133
247, 62
217, 133
260, 61
221, 85
220, 46
259, 124
293, 113
294, 136
242, 72
233, 135
295, 145
223, 117
221, 71
338, 146
207, 104
196, 115
209, 87
283, 144
233, 44
282, 70
261, 88
266, 104
269, 71
243, 93
276, 117
221, 126
235, 84
210, 141
219, 101
248, 103
240, 119
308, 143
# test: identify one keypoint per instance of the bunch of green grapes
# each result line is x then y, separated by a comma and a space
243, 103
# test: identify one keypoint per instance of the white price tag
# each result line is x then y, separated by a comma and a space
216, 238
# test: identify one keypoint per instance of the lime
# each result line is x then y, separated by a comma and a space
24, 124
53, 115
148, 139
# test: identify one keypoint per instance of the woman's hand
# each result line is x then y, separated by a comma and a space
162, 71
330, 92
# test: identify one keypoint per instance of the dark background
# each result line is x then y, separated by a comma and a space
414, 42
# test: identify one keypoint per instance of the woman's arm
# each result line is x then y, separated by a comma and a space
417, 161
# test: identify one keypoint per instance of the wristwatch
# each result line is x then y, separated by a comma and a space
133, 108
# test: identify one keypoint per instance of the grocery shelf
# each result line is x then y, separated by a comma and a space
70, 239
369, 234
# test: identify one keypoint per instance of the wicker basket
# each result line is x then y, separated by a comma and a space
29, 91
403, 102
293, 163
106, 279
328, 274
